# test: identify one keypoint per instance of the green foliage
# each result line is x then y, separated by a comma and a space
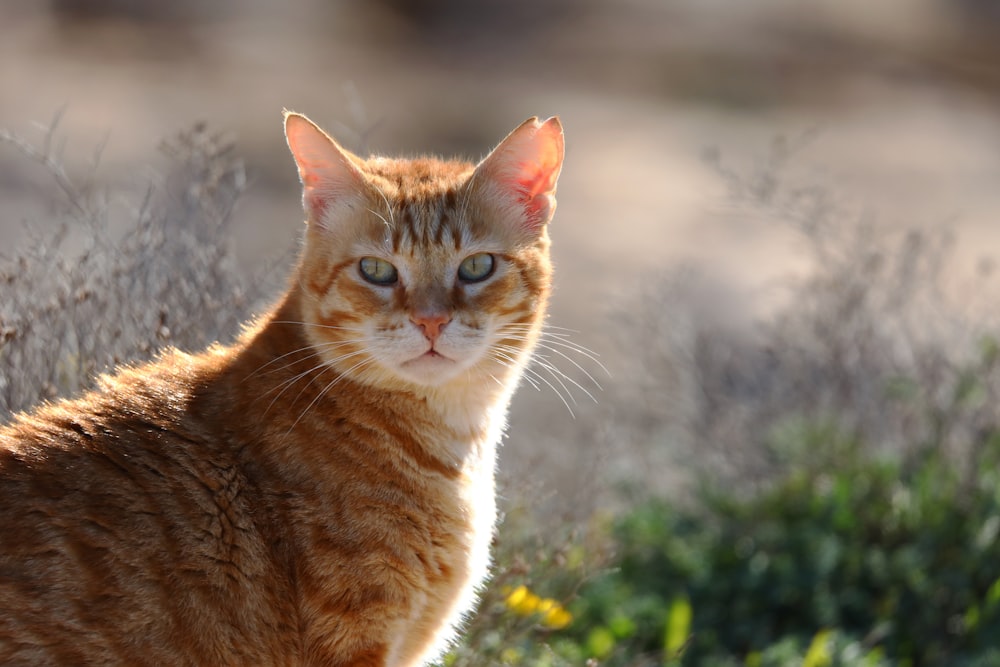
847, 560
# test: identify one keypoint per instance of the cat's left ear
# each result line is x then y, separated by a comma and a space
520, 174
330, 178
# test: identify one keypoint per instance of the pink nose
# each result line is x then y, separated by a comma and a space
431, 323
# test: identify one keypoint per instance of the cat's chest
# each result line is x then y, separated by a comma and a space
456, 531
454, 562
400, 505
391, 519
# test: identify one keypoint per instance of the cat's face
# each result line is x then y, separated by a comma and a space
426, 272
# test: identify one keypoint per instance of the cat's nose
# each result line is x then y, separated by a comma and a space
431, 323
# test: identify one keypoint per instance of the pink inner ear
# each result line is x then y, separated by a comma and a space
526, 166
535, 184
539, 176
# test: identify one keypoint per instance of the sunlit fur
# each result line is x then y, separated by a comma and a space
320, 492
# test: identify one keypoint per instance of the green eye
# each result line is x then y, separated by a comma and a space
378, 271
476, 267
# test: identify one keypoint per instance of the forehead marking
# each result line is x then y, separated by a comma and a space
400, 232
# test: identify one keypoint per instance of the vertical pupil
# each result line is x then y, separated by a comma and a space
476, 267
378, 270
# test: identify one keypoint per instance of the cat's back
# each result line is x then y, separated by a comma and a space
125, 528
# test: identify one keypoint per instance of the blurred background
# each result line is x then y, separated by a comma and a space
769, 209
890, 105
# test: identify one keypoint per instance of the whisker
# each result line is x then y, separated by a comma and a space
530, 372
559, 376
545, 333
307, 348
552, 368
508, 362
287, 384
388, 207
567, 345
463, 210
326, 389
310, 348
568, 331
562, 339
540, 377
545, 329
556, 376
330, 365
546, 363
320, 326
568, 358
563, 331
380, 217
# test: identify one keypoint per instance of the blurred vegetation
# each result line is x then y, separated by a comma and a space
845, 508
82, 296
896, 560
847, 558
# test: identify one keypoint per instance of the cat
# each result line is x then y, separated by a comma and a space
321, 492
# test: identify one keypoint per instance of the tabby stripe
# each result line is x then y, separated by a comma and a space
321, 285
415, 451
337, 317
520, 307
529, 275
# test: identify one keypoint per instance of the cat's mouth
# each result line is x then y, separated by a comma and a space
429, 355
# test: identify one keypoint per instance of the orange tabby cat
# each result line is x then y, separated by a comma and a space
321, 492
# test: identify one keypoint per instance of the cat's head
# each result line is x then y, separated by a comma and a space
426, 272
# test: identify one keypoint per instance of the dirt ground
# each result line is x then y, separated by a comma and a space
897, 99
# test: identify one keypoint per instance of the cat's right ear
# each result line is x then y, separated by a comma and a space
520, 175
330, 179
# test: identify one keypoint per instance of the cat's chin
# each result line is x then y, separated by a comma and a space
430, 368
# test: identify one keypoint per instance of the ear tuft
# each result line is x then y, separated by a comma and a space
326, 170
523, 170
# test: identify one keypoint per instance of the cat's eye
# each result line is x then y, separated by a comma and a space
476, 267
378, 271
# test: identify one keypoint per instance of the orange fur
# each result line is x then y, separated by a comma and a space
320, 492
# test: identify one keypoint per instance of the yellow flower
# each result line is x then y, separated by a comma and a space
557, 618
523, 602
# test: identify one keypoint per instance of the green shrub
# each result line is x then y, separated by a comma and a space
897, 558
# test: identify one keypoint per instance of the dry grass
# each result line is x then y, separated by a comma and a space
876, 335
79, 298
